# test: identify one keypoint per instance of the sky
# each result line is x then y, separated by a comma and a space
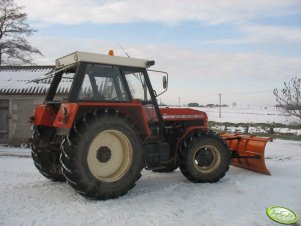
241, 49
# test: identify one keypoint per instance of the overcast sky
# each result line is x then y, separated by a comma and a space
242, 49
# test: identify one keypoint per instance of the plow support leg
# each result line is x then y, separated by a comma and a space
247, 151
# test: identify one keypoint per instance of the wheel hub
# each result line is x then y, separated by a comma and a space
103, 154
109, 155
204, 157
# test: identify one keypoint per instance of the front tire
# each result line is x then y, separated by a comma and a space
104, 158
206, 158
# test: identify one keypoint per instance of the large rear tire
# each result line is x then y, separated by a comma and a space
103, 157
46, 153
206, 158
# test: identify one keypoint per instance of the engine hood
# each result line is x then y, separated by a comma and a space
183, 114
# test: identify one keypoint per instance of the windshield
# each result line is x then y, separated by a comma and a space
139, 90
137, 85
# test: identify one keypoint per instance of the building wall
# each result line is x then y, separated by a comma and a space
20, 109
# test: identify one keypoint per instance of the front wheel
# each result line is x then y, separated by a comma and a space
206, 158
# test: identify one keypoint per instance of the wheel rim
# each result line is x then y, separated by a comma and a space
110, 155
207, 159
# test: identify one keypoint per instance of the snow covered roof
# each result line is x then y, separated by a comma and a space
17, 80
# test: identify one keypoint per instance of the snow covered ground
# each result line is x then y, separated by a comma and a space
246, 115
250, 115
240, 198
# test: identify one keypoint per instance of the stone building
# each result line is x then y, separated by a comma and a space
18, 97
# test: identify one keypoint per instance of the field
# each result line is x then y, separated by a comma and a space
246, 115
258, 120
240, 198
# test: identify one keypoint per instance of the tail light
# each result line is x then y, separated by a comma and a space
65, 116
64, 110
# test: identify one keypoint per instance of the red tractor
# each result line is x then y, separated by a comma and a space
109, 127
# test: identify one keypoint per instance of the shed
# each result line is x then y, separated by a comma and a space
18, 97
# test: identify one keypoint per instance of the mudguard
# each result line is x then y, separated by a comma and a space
247, 151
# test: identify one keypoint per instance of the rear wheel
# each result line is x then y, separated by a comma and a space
104, 158
46, 153
206, 158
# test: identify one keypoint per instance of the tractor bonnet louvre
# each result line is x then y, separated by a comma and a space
183, 117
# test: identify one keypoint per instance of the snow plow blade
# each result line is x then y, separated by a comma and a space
247, 151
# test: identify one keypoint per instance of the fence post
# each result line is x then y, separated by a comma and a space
271, 130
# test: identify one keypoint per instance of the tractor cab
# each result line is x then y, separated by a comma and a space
83, 81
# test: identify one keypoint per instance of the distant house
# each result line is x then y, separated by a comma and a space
18, 97
193, 105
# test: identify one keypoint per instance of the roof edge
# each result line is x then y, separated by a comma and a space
27, 67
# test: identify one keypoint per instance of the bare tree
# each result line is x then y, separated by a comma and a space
14, 31
289, 98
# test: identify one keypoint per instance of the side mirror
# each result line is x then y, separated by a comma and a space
165, 82
157, 81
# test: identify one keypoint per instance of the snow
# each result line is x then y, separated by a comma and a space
246, 115
20, 80
239, 129
16, 80
240, 198
254, 115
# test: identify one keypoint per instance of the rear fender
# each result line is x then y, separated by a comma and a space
44, 115
133, 110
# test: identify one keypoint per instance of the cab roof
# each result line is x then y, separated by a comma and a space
102, 59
